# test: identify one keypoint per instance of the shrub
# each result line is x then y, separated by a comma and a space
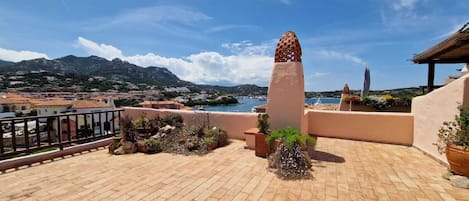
379, 103
455, 132
346, 98
128, 129
289, 136
113, 146
219, 135
263, 123
153, 145
141, 122
175, 120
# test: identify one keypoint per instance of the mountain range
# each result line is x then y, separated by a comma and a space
119, 71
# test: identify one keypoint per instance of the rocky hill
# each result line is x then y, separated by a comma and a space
96, 73
5, 63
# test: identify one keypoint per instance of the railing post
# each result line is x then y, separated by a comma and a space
59, 133
92, 126
76, 126
100, 124
38, 134
107, 128
119, 120
113, 124
49, 128
69, 135
1, 138
86, 124
13, 135
26, 135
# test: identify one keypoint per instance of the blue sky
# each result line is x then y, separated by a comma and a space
233, 42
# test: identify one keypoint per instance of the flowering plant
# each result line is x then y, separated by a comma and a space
455, 132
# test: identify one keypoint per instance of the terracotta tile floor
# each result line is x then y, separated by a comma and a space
343, 170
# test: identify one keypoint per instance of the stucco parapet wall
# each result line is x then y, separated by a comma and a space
384, 127
431, 110
235, 123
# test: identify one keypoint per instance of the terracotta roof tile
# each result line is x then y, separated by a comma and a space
81, 104
54, 102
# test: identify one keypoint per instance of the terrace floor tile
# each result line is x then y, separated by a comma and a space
342, 170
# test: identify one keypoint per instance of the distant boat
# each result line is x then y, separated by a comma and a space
262, 98
318, 101
201, 108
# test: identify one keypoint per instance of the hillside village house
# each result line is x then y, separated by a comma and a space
60, 106
100, 121
52, 107
162, 105
12, 103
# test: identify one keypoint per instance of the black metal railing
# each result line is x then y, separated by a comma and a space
26, 135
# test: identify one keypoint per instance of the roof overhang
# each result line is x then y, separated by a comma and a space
454, 49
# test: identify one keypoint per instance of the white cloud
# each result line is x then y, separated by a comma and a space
161, 14
319, 74
159, 17
230, 27
246, 47
247, 64
15, 56
405, 4
286, 2
334, 55
102, 50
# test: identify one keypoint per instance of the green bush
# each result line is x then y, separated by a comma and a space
175, 120
153, 145
289, 136
263, 123
219, 135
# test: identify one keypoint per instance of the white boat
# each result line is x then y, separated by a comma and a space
318, 101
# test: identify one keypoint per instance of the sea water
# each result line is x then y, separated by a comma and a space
247, 103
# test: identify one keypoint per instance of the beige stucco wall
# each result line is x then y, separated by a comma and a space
385, 127
235, 123
432, 109
286, 97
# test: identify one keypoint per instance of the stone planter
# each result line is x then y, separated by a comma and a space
458, 159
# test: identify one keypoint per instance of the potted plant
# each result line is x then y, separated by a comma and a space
261, 147
453, 139
289, 136
289, 159
210, 142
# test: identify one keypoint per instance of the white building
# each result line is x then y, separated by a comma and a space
100, 120
52, 107
12, 103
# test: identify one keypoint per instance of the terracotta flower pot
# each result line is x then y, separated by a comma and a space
458, 159
212, 146
261, 148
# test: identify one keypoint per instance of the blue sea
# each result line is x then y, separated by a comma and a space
247, 103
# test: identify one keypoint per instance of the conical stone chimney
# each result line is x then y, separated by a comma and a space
286, 97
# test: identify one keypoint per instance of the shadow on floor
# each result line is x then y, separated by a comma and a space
326, 157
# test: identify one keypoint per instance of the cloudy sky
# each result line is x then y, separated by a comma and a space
233, 42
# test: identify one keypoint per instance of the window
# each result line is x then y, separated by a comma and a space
23, 107
55, 112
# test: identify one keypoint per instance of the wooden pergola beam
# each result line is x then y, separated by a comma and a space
431, 77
